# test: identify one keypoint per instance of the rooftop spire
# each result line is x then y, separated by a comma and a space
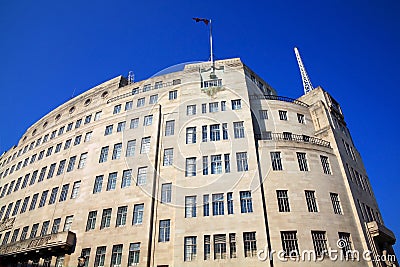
306, 80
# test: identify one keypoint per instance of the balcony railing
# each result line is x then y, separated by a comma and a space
293, 137
279, 98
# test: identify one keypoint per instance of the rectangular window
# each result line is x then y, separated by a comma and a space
164, 231
66, 145
169, 128
146, 87
58, 148
176, 82
75, 189
45, 228
300, 118
190, 206
100, 257
302, 160
232, 245
250, 244
219, 247
116, 256
69, 128
311, 201
205, 165
213, 107
225, 131
203, 108
61, 167
337, 209
263, 114
227, 163
238, 129
216, 164
98, 184
229, 200
43, 198
53, 134
172, 94
212, 83
145, 147
218, 204
190, 167
166, 193
82, 160
135, 91
53, 195
246, 203
64, 193
108, 130
142, 176
86, 254
33, 202
138, 210
214, 132
117, 151
88, 119
97, 116
223, 105
130, 148
34, 230
16, 207
105, 218
190, 252
289, 243
206, 205
236, 104
91, 221
117, 109
15, 235
191, 135
241, 161
134, 123
153, 99
148, 120
121, 126
347, 248
56, 225
68, 223
126, 178
207, 247
276, 161
24, 233
283, 115
325, 164
103, 154
204, 133
168, 157
77, 140
60, 132
134, 254
191, 110
128, 105
112, 181
283, 200
48, 153
51, 171
319, 241
121, 216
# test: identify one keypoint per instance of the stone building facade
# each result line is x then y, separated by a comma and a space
206, 166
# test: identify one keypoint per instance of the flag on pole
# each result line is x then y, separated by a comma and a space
206, 21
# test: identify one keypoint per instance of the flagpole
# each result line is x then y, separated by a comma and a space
211, 47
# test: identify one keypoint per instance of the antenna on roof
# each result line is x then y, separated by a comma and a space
306, 80
131, 77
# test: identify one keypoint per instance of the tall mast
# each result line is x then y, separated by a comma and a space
306, 80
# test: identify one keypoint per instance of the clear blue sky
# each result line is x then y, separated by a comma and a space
48, 49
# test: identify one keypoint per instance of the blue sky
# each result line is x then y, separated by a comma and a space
51, 50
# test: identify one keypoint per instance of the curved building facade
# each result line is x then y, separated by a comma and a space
206, 166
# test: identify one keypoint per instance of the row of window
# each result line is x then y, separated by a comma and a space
130, 149
141, 179
48, 152
276, 161
42, 201
16, 184
367, 213
216, 164
283, 115
359, 179
311, 201
52, 135
213, 107
35, 230
121, 220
